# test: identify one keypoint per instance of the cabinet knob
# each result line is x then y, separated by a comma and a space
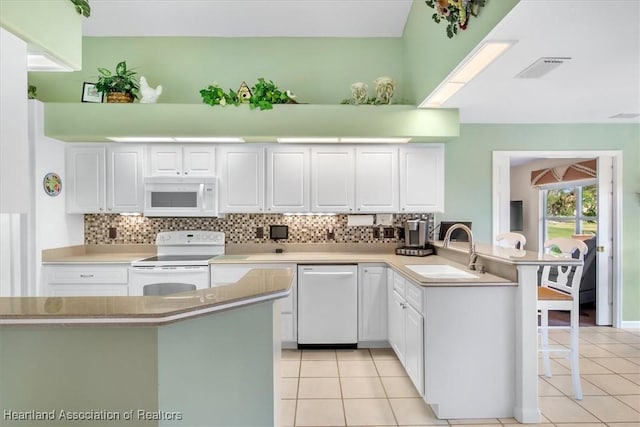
402, 208
186, 173
86, 275
108, 209
177, 172
100, 209
350, 209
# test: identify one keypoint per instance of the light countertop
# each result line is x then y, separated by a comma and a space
256, 286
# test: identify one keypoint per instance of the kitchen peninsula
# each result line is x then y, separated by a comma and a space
181, 359
463, 353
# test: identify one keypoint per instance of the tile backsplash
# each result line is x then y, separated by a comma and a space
240, 228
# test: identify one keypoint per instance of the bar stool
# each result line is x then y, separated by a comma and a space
511, 240
560, 290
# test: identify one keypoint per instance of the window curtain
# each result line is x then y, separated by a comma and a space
580, 171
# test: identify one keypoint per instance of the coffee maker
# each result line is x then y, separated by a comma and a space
415, 237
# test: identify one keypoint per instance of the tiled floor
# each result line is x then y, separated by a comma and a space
370, 388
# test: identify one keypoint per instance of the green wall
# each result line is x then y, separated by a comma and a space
468, 190
430, 55
317, 70
50, 25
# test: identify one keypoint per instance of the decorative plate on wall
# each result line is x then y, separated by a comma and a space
52, 184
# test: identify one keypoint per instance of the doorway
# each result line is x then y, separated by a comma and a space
608, 289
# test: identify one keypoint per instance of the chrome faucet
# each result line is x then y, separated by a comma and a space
472, 247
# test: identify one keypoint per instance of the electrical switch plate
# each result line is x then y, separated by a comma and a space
113, 232
389, 232
376, 233
259, 232
331, 235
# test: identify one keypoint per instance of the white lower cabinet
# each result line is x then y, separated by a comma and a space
86, 280
372, 304
224, 274
406, 327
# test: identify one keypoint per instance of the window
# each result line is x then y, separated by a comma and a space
570, 210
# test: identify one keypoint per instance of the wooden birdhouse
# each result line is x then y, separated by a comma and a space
244, 93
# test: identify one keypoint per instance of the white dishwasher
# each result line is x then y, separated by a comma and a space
328, 304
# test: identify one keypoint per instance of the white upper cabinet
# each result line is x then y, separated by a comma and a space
104, 179
288, 179
332, 179
241, 178
181, 160
124, 189
422, 179
85, 170
376, 179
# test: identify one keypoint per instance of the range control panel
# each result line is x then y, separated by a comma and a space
189, 238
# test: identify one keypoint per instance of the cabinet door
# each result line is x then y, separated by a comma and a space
332, 179
164, 160
395, 327
422, 179
288, 179
377, 179
241, 179
414, 339
124, 188
198, 160
85, 179
372, 304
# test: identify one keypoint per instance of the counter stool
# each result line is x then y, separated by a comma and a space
511, 240
560, 290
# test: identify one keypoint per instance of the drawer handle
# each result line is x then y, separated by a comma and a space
86, 275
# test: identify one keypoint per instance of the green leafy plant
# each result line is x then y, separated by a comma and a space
123, 80
263, 95
32, 92
82, 7
215, 95
455, 12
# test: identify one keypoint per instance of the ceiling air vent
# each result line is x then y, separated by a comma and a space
541, 67
625, 116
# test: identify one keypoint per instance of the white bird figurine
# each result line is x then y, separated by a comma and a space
149, 94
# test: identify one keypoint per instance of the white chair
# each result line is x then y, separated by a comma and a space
562, 292
511, 240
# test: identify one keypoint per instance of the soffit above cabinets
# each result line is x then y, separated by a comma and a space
75, 122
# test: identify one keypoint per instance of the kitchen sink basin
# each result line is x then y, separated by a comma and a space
440, 271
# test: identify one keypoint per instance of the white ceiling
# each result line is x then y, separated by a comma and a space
601, 36
248, 18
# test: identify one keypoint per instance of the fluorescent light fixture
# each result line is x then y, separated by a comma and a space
470, 67
307, 140
141, 138
44, 62
226, 139
375, 140
330, 140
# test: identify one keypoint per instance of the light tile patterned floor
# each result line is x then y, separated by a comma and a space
370, 388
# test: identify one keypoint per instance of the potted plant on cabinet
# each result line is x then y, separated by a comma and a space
120, 86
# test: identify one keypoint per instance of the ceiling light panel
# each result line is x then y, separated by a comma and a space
141, 138
214, 139
307, 140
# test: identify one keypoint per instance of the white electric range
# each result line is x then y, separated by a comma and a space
181, 263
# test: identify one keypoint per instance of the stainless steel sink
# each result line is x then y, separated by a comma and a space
440, 271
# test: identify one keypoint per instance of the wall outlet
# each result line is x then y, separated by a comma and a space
376, 232
259, 232
113, 232
389, 233
331, 235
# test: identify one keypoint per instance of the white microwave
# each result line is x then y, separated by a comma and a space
180, 196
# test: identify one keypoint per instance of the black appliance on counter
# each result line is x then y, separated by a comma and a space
415, 237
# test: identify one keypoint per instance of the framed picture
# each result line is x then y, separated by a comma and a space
90, 93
